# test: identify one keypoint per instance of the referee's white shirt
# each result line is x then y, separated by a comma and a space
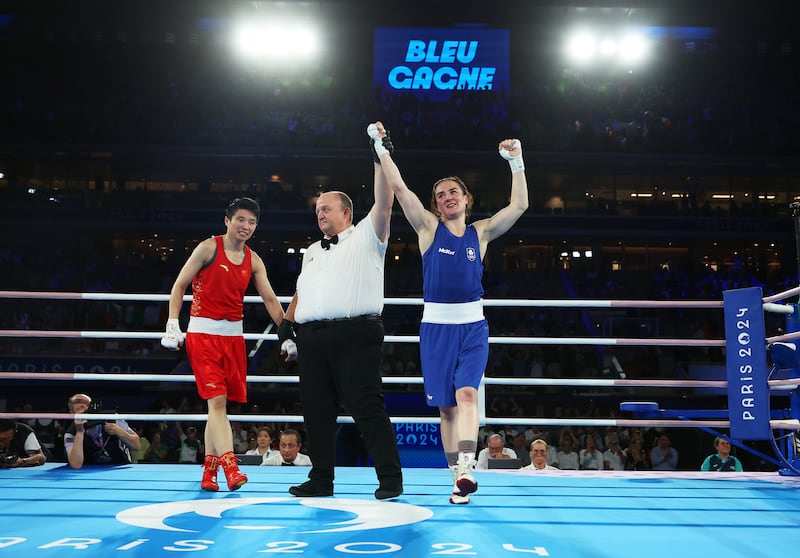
344, 281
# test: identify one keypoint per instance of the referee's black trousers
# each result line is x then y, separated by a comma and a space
340, 364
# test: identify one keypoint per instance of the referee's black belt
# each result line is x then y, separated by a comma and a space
317, 324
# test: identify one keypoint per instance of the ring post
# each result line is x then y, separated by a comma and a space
792, 447
746, 363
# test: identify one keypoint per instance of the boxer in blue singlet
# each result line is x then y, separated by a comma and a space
454, 335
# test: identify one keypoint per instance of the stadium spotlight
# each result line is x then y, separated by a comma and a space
633, 49
286, 42
608, 48
581, 47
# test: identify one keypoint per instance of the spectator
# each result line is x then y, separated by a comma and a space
495, 450
263, 445
19, 446
158, 452
614, 456
635, 456
538, 453
722, 460
663, 457
289, 453
191, 449
566, 459
590, 458
520, 447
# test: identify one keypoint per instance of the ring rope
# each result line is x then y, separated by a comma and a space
619, 341
648, 342
791, 424
545, 303
286, 379
563, 303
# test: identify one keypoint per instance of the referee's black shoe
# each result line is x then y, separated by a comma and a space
310, 489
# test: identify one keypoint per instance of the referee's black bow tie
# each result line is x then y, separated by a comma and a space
326, 242
284, 463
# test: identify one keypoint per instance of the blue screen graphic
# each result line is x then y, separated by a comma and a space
433, 63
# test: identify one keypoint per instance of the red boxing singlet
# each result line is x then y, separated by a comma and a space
218, 289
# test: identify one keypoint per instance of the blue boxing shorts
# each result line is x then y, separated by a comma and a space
452, 356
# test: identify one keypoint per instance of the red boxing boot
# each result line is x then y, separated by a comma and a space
210, 466
230, 465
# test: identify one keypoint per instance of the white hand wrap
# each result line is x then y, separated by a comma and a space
173, 337
377, 140
289, 347
515, 162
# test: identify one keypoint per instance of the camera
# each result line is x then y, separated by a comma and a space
9, 458
95, 407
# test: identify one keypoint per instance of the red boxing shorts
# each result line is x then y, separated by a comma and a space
219, 363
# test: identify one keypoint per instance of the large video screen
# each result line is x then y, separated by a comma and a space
432, 63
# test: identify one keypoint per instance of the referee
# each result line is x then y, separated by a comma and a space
337, 309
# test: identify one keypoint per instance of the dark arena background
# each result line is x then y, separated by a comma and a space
661, 144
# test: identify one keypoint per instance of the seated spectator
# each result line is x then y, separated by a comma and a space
722, 460
191, 449
495, 450
240, 437
538, 454
614, 456
590, 457
97, 442
635, 456
289, 453
263, 445
19, 446
520, 447
566, 459
483, 435
663, 457
158, 452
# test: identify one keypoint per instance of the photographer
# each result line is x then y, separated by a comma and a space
19, 446
97, 443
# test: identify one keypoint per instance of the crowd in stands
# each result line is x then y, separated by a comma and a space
614, 448
690, 103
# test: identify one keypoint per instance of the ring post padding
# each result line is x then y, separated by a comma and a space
746, 364
639, 407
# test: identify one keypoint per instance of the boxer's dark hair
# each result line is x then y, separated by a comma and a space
248, 204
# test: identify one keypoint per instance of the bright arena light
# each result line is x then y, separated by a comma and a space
633, 49
608, 47
276, 42
581, 47
614, 47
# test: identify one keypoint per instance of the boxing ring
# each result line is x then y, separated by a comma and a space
159, 510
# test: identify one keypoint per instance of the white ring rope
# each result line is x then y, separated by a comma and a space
514, 421
648, 342
769, 305
567, 382
618, 341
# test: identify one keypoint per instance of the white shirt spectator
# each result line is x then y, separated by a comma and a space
483, 457
277, 459
591, 459
568, 461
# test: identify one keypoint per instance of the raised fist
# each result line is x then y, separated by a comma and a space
511, 151
380, 141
